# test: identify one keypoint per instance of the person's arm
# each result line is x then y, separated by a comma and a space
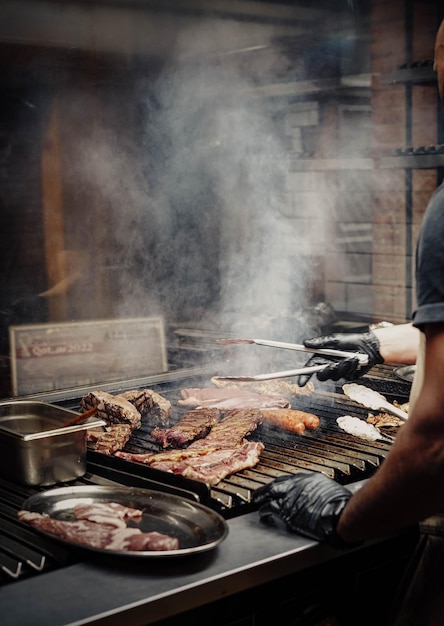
388, 344
409, 485
406, 488
398, 343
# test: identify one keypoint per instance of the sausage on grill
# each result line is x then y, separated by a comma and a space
290, 419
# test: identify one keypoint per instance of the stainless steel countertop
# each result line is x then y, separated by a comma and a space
115, 591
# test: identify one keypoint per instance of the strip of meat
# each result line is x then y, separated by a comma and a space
221, 453
382, 420
192, 425
171, 456
112, 409
231, 430
110, 440
267, 387
216, 466
110, 513
154, 408
227, 399
290, 419
100, 536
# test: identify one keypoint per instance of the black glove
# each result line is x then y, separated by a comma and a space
309, 504
338, 367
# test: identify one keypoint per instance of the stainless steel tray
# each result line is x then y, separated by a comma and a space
197, 527
405, 372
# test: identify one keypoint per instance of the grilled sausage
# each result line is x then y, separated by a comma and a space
290, 419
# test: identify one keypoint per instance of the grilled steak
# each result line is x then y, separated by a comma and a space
231, 430
221, 453
193, 424
226, 399
154, 408
170, 456
110, 440
215, 465
112, 409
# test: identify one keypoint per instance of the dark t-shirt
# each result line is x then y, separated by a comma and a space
430, 264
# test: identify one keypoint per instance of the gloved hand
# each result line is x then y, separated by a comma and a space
338, 367
308, 503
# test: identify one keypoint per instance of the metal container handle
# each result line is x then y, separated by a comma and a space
64, 430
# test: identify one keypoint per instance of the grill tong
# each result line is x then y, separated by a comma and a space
363, 359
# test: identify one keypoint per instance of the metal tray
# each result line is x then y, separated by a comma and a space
35, 449
197, 527
405, 372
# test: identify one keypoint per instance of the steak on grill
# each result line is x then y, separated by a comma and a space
153, 407
221, 453
192, 425
231, 430
227, 399
214, 466
112, 409
110, 440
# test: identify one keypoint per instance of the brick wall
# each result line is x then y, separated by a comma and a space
397, 213
367, 218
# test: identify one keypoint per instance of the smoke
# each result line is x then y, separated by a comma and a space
220, 166
188, 169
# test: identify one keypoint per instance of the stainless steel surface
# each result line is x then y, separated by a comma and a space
405, 372
197, 527
34, 450
145, 592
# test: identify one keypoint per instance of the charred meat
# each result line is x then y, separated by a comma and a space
112, 409
221, 453
231, 430
194, 424
110, 440
153, 407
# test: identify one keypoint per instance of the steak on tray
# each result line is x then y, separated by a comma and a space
102, 536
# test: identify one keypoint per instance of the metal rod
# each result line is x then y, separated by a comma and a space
286, 374
363, 358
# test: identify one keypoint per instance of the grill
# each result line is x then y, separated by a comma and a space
24, 553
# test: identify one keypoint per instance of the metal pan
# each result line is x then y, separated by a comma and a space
196, 526
405, 372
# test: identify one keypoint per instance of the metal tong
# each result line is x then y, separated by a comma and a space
363, 359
